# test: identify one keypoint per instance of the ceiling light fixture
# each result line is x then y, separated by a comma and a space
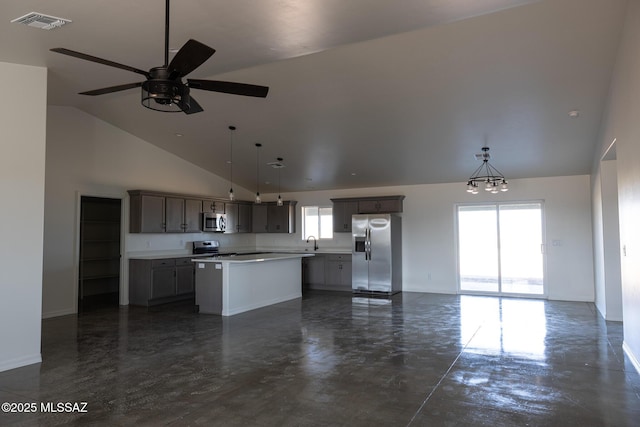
488, 176
231, 129
258, 199
279, 202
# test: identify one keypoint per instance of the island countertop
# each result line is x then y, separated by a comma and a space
253, 258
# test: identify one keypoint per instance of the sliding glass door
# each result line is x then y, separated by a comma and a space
500, 248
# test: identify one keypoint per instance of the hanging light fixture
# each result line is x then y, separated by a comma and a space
258, 199
231, 195
490, 178
279, 202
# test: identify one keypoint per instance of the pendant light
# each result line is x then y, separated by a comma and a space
258, 199
279, 202
231, 195
487, 175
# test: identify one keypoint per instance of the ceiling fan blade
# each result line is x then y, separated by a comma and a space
98, 60
111, 89
190, 56
192, 108
229, 87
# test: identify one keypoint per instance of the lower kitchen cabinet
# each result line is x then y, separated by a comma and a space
338, 272
313, 272
185, 276
327, 272
159, 281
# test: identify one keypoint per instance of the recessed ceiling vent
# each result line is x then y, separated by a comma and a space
42, 21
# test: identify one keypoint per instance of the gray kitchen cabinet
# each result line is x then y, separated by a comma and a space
330, 272
388, 204
313, 272
183, 215
192, 215
185, 276
163, 282
260, 218
174, 215
212, 206
158, 281
155, 212
281, 219
271, 218
338, 272
146, 213
239, 217
343, 210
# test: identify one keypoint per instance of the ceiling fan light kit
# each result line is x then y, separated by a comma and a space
164, 89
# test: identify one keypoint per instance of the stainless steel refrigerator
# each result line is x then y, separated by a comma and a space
376, 253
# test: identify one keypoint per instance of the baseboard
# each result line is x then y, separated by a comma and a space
20, 362
58, 313
631, 356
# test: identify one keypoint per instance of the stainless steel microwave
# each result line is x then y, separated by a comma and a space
216, 222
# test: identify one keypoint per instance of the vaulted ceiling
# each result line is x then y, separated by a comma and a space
363, 93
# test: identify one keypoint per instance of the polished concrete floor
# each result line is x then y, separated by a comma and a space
334, 360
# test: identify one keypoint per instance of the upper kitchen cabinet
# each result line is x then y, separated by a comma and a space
215, 206
387, 204
183, 215
281, 219
343, 209
271, 218
260, 219
155, 212
239, 217
146, 213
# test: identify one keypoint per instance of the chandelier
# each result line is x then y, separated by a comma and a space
486, 176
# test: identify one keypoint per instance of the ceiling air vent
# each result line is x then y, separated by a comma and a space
42, 21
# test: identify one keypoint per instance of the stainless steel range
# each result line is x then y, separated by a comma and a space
209, 247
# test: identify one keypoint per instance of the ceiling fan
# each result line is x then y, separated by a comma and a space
164, 90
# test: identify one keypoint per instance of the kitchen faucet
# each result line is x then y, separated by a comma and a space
315, 242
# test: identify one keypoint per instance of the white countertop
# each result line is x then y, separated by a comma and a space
185, 254
253, 258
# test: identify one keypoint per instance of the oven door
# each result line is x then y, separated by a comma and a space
216, 222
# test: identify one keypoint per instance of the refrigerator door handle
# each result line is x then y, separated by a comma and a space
368, 244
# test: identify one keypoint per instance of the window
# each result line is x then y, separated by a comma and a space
317, 222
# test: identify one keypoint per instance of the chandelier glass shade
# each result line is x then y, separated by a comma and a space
486, 177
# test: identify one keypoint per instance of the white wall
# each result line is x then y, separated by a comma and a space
86, 156
429, 253
23, 122
620, 123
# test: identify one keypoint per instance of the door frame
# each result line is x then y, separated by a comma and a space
459, 291
123, 286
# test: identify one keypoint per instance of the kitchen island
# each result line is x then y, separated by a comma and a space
232, 285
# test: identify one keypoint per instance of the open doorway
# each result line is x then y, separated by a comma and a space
99, 262
607, 240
